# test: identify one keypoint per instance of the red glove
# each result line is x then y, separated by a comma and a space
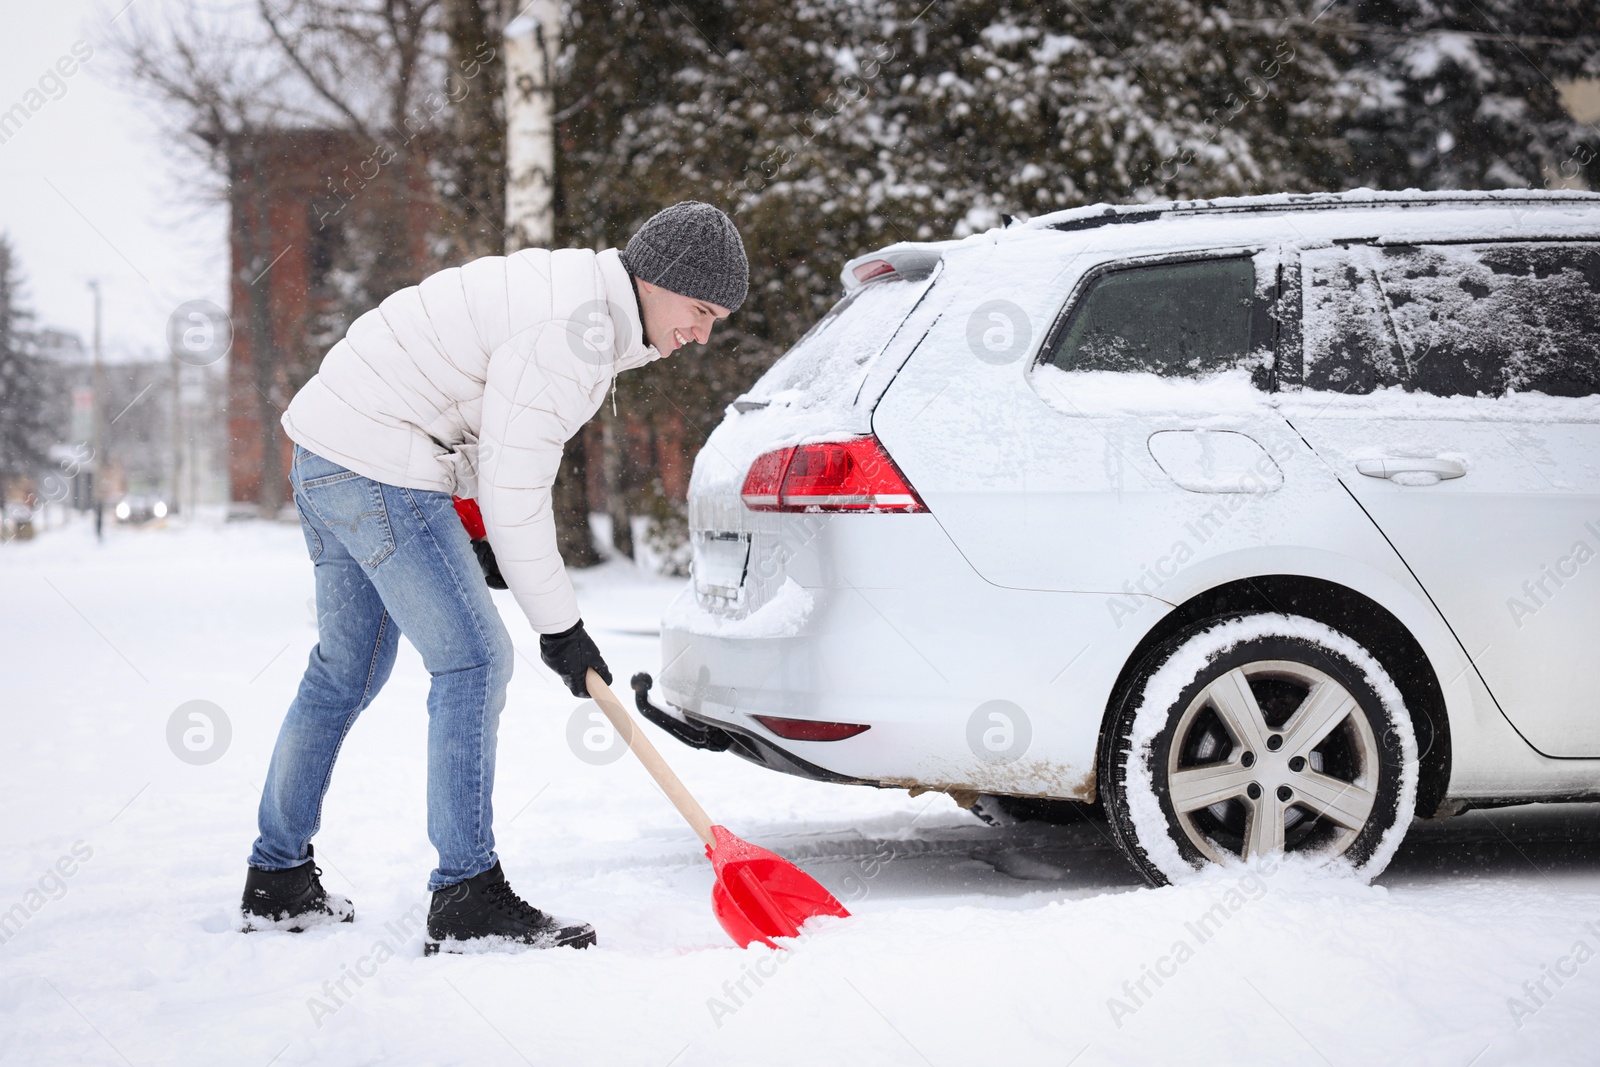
472, 519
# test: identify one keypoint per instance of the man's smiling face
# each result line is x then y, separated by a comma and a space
672, 320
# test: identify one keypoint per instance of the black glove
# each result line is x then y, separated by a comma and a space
570, 654
491, 569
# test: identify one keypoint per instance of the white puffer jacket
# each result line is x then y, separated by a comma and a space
470, 383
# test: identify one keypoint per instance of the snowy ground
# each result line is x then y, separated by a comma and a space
968, 944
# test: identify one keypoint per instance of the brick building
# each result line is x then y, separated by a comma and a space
317, 221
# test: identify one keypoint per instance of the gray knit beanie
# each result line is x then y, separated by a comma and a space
693, 249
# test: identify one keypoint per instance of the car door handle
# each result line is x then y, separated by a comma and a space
1389, 467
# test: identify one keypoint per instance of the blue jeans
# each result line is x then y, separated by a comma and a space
390, 560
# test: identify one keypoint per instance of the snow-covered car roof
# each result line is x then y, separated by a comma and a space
1406, 215
1081, 218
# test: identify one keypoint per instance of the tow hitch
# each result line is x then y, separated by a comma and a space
693, 734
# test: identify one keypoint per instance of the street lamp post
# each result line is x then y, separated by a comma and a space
173, 490
95, 447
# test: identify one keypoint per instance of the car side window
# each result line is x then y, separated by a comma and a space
1174, 319
1453, 320
1349, 344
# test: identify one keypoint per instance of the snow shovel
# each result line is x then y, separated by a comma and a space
758, 895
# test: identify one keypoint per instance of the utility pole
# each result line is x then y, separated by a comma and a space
95, 447
177, 433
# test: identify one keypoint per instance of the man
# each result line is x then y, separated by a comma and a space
467, 385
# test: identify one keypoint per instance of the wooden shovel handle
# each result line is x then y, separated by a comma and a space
625, 725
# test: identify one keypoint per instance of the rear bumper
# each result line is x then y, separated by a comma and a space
700, 733
764, 753
917, 662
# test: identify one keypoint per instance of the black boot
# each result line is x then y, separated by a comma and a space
484, 911
291, 900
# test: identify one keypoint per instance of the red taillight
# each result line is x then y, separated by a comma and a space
854, 475
765, 480
808, 729
873, 269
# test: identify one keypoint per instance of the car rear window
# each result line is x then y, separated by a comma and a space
1173, 319
1453, 320
825, 367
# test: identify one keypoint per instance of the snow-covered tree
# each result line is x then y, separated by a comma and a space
1462, 94
23, 435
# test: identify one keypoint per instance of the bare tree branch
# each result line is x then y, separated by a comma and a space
292, 53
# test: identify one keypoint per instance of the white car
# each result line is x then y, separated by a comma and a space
1262, 524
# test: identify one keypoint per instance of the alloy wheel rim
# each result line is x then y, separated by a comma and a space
1270, 757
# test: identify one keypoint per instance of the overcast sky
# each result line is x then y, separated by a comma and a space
88, 190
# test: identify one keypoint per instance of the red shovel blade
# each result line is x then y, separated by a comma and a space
759, 895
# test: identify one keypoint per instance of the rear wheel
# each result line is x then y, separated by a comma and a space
1259, 735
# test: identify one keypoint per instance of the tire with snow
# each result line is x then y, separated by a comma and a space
1259, 734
